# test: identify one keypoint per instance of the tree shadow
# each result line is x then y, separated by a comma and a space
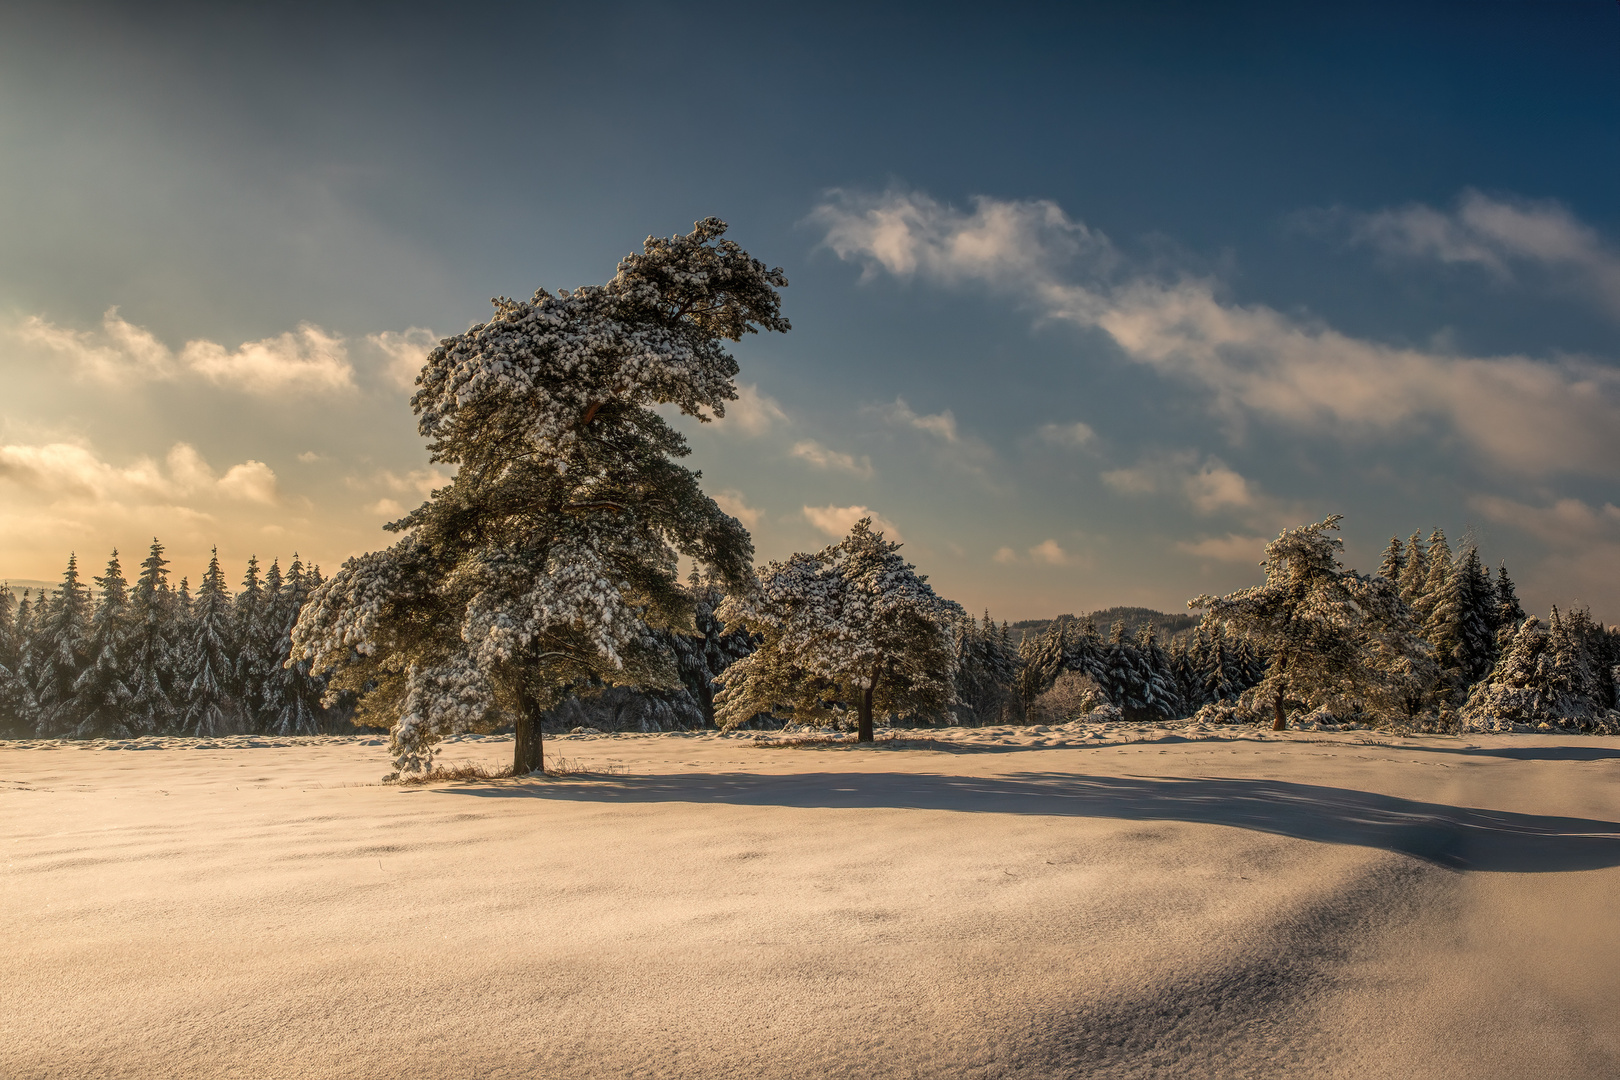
1451, 836
1527, 753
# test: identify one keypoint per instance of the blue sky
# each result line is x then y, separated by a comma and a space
1088, 300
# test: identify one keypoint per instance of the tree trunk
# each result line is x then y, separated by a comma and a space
529, 749
864, 731
1281, 722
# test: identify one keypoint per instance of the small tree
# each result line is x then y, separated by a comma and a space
852, 627
551, 557
104, 699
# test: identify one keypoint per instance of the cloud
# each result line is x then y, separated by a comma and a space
1048, 551
1497, 234
1005, 555
1531, 416
733, 503
387, 508
71, 472
940, 425
1073, 435
405, 352
836, 521
1228, 548
1583, 545
822, 458
753, 413
306, 360
1209, 485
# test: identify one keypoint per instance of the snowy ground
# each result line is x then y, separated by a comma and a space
1061, 903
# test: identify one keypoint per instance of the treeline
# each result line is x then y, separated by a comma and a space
997, 682
126, 660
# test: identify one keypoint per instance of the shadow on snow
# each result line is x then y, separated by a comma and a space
1451, 836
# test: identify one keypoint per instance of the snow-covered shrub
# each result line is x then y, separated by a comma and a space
1073, 694
1106, 713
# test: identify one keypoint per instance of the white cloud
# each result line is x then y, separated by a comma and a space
307, 360
823, 458
941, 425
71, 472
1209, 485
836, 521
1497, 234
1005, 555
733, 503
1048, 551
405, 351
1531, 416
310, 457
388, 508
1228, 548
753, 413
1075, 435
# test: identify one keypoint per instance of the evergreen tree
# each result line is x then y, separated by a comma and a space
1415, 572
1123, 677
22, 704
1393, 565
102, 695
10, 654
1509, 612
1188, 683
553, 553
1083, 650
1477, 630
987, 670
1043, 659
1219, 685
1160, 698
210, 708
254, 632
852, 628
64, 653
151, 678
295, 692
1521, 689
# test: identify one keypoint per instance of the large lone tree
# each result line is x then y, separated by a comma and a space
853, 627
551, 558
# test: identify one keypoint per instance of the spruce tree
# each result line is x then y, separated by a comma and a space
1219, 684
1415, 572
1160, 697
1509, 612
1394, 561
23, 705
1123, 677
254, 635
296, 691
152, 658
1477, 630
64, 653
210, 708
10, 654
102, 690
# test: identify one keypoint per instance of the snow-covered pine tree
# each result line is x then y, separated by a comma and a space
1509, 612
102, 691
554, 551
1394, 562
1414, 580
987, 670
1043, 659
1578, 691
10, 653
1188, 683
852, 628
152, 660
1083, 649
1122, 679
296, 692
64, 652
1478, 625
1219, 685
1322, 627
254, 633
22, 705
1160, 698
210, 707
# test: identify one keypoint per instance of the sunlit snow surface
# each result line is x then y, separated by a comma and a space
1083, 900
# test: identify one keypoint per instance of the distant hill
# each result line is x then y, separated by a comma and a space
1133, 618
34, 587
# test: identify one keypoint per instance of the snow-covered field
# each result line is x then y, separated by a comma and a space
1059, 903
